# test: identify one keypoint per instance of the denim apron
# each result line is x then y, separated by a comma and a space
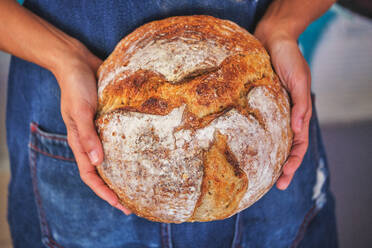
49, 205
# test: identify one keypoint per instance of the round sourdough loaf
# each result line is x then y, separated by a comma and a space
194, 122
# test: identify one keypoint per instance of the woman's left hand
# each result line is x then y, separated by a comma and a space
294, 73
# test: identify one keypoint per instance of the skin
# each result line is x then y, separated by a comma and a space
278, 31
74, 67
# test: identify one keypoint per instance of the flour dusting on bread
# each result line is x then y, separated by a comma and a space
154, 160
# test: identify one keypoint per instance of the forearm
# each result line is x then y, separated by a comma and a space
290, 17
27, 36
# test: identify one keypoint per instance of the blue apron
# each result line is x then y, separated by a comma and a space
49, 205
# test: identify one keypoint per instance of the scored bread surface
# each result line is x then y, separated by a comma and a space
194, 122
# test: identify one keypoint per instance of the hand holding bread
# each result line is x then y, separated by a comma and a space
294, 73
77, 80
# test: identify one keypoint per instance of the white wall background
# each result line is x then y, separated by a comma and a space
342, 70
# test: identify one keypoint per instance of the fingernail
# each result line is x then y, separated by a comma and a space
93, 156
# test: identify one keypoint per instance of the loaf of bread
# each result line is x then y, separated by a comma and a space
194, 122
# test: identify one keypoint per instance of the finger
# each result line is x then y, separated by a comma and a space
298, 151
284, 181
300, 94
299, 148
87, 134
300, 144
293, 163
91, 178
89, 174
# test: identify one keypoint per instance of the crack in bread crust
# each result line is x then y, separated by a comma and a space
224, 182
207, 94
181, 99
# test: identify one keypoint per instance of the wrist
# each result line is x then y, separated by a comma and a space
270, 34
71, 57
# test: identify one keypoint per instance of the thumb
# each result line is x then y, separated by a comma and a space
88, 137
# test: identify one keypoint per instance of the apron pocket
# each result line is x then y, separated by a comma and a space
61, 195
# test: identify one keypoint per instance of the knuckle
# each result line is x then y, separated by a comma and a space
300, 145
85, 136
305, 143
81, 135
302, 141
71, 126
300, 153
87, 140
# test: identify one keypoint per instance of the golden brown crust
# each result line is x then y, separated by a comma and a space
209, 85
196, 27
204, 91
204, 95
224, 183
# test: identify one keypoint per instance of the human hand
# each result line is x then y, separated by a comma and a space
77, 80
294, 73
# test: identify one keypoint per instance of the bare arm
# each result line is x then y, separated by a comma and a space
29, 37
279, 30
290, 18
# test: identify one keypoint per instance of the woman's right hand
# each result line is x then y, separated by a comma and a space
76, 76
31, 38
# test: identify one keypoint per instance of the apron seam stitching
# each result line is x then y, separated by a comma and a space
164, 234
169, 235
46, 136
33, 147
43, 223
304, 225
236, 236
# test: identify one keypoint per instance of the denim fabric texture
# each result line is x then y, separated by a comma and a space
49, 205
